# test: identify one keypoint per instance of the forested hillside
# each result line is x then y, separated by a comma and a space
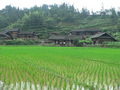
59, 18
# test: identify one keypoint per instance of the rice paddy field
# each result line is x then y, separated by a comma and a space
59, 68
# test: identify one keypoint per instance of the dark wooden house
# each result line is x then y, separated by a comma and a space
4, 36
27, 35
12, 32
63, 40
101, 37
85, 32
9, 34
15, 33
80, 34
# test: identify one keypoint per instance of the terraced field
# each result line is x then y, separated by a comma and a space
59, 68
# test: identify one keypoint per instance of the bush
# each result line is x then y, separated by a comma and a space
1, 42
86, 41
21, 42
106, 44
77, 43
111, 44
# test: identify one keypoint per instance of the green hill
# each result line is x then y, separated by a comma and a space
59, 18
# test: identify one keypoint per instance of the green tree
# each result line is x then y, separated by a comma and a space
77, 43
33, 20
85, 12
118, 26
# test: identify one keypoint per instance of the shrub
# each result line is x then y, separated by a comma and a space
77, 43
86, 41
112, 44
21, 42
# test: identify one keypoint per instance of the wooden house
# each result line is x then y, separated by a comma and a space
80, 34
27, 35
15, 33
12, 32
4, 36
101, 37
85, 32
63, 40
9, 34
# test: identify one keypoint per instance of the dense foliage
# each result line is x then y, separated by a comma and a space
59, 18
111, 44
20, 42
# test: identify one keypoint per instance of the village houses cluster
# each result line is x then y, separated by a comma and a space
96, 35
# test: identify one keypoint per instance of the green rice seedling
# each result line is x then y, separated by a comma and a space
43, 65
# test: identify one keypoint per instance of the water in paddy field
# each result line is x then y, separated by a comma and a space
31, 86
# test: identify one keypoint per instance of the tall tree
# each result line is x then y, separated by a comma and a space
33, 20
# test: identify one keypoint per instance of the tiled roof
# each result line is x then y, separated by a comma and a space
102, 35
67, 37
54, 37
98, 35
26, 32
86, 29
73, 37
13, 30
3, 33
